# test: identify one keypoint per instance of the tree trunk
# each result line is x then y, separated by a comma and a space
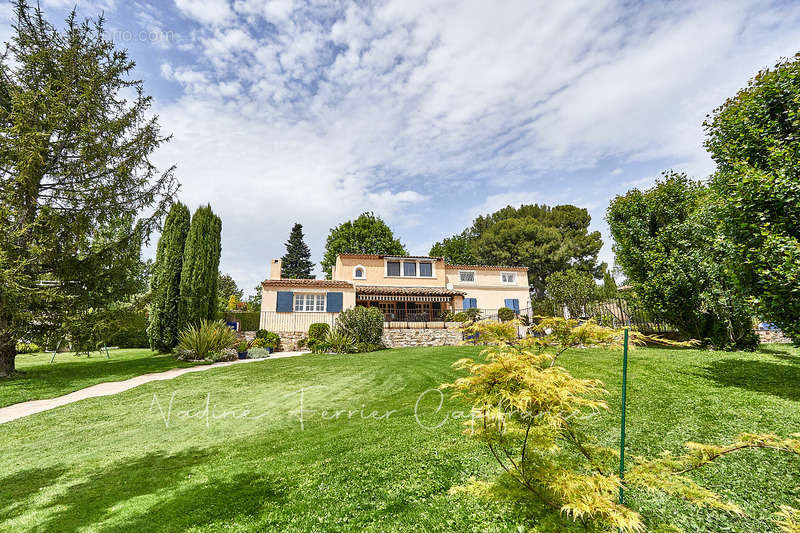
8, 355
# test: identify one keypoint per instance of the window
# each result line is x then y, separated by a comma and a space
466, 276
410, 269
358, 273
509, 277
309, 302
426, 270
393, 268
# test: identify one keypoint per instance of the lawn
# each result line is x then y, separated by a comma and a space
130, 463
38, 379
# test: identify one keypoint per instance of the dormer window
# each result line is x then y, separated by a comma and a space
401, 267
358, 273
509, 277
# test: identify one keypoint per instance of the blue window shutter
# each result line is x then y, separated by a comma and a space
285, 301
470, 303
509, 303
334, 304
512, 303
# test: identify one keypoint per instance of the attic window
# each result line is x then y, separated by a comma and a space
358, 273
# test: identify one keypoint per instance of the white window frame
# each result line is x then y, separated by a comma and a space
402, 260
317, 300
513, 278
363, 269
466, 272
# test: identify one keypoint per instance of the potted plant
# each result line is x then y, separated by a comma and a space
267, 339
241, 348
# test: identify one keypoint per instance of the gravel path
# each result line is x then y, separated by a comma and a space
20, 410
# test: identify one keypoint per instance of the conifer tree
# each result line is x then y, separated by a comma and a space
198, 293
297, 261
609, 285
163, 329
78, 190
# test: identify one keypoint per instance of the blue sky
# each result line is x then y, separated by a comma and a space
429, 113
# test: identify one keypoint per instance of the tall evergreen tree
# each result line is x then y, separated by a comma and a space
166, 284
198, 294
297, 261
76, 142
609, 286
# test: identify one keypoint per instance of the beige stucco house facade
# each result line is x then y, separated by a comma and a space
408, 289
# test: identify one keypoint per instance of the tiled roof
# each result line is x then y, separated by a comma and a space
487, 267
381, 256
320, 283
408, 291
448, 265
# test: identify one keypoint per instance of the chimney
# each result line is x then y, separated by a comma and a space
275, 269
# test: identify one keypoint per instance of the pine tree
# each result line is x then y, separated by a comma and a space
78, 189
198, 293
163, 329
297, 261
609, 285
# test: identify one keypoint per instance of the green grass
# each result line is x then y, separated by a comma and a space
37, 379
112, 464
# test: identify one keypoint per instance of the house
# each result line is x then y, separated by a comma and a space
411, 291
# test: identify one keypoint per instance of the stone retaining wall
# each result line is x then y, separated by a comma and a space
288, 339
399, 338
773, 336
392, 338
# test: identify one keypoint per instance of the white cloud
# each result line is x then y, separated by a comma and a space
211, 12
318, 111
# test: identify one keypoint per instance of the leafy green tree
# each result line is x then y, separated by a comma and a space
75, 172
571, 288
254, 303
456, 250
226, 287
754, 138
162, 330
367, 234
609, 286
199, 277
296, 264
544, 239
666, 240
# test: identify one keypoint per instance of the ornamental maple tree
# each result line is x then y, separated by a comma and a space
531, 413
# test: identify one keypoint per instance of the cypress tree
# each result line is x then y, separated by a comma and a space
198, 293
297, 261
163, 328
609, 285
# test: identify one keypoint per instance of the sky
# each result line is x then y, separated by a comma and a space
428, 113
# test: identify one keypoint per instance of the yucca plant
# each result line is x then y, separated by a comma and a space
339, 342
205, 340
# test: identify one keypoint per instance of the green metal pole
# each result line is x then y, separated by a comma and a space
622, 429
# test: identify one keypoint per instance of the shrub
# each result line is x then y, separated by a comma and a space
318, 331
268, 339
505, 314
207, 340
257, 352
364, 347
364, 325
130, 331
339, 342
27, 347
467, 315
